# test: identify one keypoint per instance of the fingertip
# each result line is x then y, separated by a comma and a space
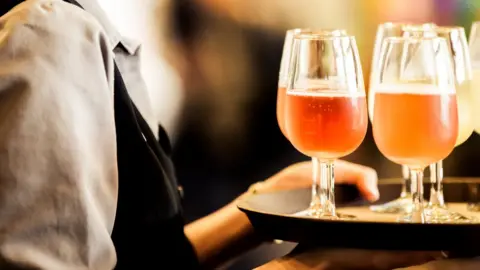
372, 175
371, 193
374, 195
372, 186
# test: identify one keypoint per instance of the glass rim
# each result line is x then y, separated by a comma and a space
328, 30
321, 36
441, 29
413, 39
449, 29
320, 31
404, 24
294, 31
393, 24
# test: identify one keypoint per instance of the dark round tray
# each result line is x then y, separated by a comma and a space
271, 214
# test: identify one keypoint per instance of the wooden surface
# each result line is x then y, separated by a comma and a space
349, 259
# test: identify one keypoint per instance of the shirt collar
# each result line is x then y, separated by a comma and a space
92, 7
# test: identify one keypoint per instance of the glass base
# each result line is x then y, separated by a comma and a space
337, 216
398, 206
443, 215
436, 215
315, 213
473, 207
413, 217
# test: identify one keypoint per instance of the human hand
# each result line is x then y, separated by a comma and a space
326, 259
299, 175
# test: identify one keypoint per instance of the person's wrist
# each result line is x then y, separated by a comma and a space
247, 231
258, 188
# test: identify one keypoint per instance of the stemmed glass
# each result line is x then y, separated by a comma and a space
282, 93
457, 44
415, 119
325, 111
474, 48
404, 202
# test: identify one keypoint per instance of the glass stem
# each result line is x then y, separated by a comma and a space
417, 195
323, 198
406, 185
327, 186
436, 189
315, 203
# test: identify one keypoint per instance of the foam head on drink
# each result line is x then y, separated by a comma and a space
326, 123
415, 124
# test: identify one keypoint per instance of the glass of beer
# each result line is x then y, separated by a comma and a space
285, 64
326, 114
402, 204
282, 86
457, 44
474, 48
415, 120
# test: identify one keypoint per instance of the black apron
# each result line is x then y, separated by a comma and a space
148, 229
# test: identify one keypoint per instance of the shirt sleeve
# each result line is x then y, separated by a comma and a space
58, 167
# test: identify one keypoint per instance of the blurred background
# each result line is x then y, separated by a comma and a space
212, 69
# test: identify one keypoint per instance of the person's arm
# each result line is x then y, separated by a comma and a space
228, 232
58, 172
222, 235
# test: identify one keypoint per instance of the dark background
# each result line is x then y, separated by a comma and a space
213, 176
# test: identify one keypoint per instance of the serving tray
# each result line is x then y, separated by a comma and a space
273, 215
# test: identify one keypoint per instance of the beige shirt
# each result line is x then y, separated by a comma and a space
58, 167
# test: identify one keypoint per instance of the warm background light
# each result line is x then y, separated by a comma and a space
212, 69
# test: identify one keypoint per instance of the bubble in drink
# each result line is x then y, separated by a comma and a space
326, 124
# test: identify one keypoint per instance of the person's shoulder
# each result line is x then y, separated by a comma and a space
45, 8
51, 16
45, 39
53, 29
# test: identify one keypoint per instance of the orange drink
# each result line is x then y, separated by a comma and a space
415, 125
326, 124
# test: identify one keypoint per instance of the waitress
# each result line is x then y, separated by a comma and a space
86, 180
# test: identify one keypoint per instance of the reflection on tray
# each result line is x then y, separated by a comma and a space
339, 216
363, 213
